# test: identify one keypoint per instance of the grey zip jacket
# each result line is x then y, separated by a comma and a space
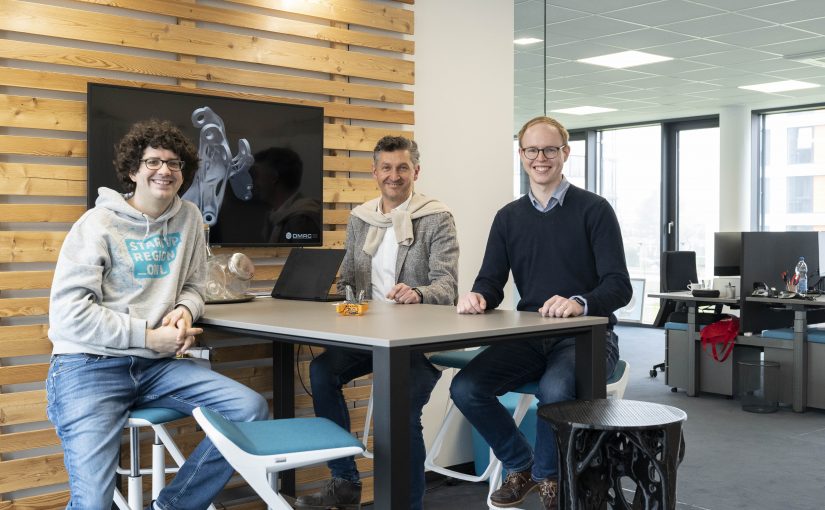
120, 272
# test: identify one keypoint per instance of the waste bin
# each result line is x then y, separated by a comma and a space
759, 386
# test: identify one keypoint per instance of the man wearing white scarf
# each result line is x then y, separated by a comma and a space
401, 247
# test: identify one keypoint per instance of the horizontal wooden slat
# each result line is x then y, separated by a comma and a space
19, 374
26, 340
21, 307
49, 501
23, 280
246, 19
349, 190
19, 441
40, 213
22, 407
336, 216
42, 180
108, 61
346, 11
179, 39
355, 138
36, 146
42, 113
32, 472
344, 164
30, 246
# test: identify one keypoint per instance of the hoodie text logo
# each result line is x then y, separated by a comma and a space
153, 255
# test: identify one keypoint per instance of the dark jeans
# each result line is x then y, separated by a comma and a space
503, 368
336, 367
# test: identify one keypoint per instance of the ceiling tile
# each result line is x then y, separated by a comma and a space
762, 36
526, 60
689, 48
591, 27
716, 25
735, 5
529, 14
661, 13
786, 12
596, 6
572, 68
582, 49
732, 58
617, 75
816, 26
796, 47
636, 39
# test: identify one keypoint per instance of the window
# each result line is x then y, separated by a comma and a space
792, 181
800, 194
800, 145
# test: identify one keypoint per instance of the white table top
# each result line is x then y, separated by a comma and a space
384, 324
819, 301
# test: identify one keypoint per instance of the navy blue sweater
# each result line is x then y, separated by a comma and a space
573, 249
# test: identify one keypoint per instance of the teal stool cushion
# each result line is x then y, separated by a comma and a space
273, 437
156, 415
816, 336
455, 359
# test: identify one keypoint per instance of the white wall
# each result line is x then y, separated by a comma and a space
464, 126
464, 114
735, 169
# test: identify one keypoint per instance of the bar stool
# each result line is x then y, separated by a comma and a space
260, 450
155, 417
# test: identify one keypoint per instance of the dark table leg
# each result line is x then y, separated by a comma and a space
391, 393
283, 398
590, 363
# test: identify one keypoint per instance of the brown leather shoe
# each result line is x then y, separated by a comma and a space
517, 485
549, 493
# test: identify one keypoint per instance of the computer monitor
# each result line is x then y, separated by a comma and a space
727, 253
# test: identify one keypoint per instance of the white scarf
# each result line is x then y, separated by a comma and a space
399, 220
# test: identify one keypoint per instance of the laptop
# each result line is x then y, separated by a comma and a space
308, 275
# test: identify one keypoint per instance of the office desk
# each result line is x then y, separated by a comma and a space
800, 309
392, 333
692, 303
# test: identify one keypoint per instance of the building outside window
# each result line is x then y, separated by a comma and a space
793, 170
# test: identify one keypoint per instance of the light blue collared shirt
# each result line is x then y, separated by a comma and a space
557, 198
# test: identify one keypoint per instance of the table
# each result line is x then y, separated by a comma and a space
601, 442
692, 303
392, 333
800, 309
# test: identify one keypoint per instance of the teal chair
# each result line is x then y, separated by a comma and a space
259, 450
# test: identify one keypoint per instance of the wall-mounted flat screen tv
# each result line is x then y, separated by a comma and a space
260, 177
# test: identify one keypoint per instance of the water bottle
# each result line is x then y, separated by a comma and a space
801, 276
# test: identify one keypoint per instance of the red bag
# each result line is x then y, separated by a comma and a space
721, 332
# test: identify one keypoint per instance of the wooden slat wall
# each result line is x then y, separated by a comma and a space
351, 57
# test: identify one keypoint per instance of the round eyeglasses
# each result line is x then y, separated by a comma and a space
174, 165
550, 152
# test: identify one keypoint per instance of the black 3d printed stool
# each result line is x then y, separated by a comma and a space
604, 441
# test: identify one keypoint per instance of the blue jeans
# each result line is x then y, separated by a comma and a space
89, 398
336, 367
503, 368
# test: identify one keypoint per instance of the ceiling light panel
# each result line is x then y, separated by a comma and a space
780, 86
584, 110
625, 59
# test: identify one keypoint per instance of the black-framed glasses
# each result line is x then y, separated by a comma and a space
174, 165
550, 151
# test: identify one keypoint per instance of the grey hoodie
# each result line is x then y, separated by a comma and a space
120, 271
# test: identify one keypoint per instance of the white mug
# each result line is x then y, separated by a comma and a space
695, 286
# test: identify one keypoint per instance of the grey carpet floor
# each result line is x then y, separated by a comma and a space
734, 459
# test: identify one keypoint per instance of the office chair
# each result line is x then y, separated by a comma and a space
676, 270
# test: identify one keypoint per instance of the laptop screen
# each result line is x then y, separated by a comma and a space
308, 274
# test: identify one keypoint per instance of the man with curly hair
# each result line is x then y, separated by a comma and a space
128, 284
